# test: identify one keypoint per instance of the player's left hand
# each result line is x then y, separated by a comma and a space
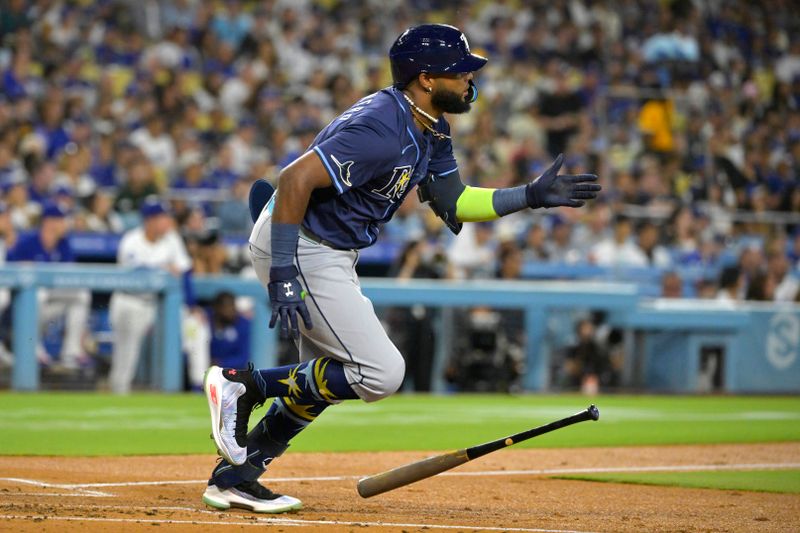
287, 297
552, 190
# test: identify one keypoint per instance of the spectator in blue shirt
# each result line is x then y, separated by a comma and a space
230, 24
13, 81
230, 333
192, 173
40, 188
232, 213
51, 129
223, 174
103, 169
51, 245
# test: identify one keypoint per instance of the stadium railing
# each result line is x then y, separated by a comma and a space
665, 339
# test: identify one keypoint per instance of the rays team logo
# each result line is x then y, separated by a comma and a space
466, 44
397, 185
344, 170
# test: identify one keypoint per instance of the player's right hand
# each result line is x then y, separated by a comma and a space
287, 298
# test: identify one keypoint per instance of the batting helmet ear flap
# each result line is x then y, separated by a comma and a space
472, 92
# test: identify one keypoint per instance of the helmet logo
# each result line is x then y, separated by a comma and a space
466, 44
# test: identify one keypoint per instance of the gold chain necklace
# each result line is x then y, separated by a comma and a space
419, 115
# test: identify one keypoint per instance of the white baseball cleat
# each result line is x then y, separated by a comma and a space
231, 398
251, 496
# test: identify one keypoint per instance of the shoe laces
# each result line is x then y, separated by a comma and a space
230, 424
258, 490
247, 403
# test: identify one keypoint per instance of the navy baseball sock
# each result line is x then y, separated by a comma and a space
320, 379
301, 393
268, 440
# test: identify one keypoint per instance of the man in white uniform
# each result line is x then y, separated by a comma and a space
153, 245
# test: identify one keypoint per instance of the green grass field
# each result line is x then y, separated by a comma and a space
758, 480
99, 424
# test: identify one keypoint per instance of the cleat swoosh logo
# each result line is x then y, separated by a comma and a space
213, 392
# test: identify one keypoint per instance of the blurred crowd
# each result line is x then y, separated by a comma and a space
689, 112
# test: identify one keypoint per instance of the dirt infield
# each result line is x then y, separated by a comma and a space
505, 491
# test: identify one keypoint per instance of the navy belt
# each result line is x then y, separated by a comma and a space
313, 237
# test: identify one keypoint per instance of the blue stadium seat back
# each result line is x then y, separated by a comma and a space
260, 193
101, 331
52, 336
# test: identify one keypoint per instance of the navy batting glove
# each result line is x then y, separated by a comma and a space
286, 295
552, 190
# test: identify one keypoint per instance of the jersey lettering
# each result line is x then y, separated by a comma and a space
397, 185
360, 105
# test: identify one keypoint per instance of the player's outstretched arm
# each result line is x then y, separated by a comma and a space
295, 185
456, 203
551, 189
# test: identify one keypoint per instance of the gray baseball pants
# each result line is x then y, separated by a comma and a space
345, 325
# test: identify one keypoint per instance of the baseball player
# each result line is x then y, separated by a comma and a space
8, 236
51, 245
153, 245
329, 204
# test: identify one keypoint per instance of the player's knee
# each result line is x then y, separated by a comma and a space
388, 379
393, 378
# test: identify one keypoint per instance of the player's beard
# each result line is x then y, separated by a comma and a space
449, 101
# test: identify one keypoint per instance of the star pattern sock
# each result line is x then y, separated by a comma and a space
321, 379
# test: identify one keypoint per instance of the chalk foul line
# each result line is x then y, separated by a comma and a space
533, 472
290, 522
79, 490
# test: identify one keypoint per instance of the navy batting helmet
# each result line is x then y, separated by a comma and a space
434, 48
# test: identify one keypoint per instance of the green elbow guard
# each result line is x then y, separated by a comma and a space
475, 205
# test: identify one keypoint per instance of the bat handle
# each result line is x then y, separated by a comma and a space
590, 413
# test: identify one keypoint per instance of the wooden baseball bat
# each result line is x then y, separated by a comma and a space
407, 474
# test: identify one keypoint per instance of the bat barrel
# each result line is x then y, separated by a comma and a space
403, 475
